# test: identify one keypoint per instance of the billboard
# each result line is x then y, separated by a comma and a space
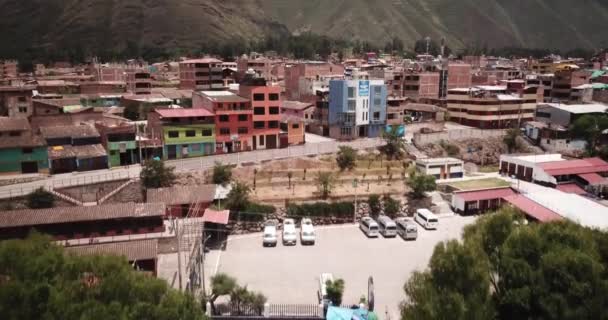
364, 88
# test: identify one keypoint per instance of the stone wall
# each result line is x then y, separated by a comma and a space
421, 139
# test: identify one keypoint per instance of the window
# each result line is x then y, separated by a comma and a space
351, 92
283, 127
391, 116
273, 124
346, 131
173, 134
27, 150
258, 97
306, 116
22, 99
243, 117
273, 97
377, 91
259, 125
273, 110
261, 140
14, 134
23, 109
351, 105
190, 133
376, 116
259, 111
377, 102
224, 118
243, 130
225, 131
207, 132
295, 126
195, 147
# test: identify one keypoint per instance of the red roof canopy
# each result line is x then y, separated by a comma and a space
593, 178
532, 208
219, 217
570, 188
485, 194
580, 166
184, 113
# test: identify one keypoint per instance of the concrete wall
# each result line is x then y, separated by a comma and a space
421, 139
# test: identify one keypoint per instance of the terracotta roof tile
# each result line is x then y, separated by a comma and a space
73, 131
132, 250
13, 124
182, 194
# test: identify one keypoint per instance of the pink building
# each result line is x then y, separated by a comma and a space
201, 74
266, 103
311, 70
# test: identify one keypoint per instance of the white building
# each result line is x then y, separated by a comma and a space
441, 168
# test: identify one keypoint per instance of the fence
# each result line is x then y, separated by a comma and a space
273, 311
421, 139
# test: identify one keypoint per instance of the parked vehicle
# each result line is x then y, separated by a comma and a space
323, 298
407, 229
426, 219
270, 233
307, 232
289, 232
387, 226
369, 227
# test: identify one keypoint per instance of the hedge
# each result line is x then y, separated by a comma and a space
321, 209
253, 212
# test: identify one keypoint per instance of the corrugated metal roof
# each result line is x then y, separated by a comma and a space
132, 250
593, 178
570, 188
33, 217
213, 216
182, 194
183, 113
13, 124
532, 208
579, 166
487, 194
72, 131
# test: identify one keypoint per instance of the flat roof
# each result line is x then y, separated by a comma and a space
438, 160
578, 108
534, 158
532, 208
295, 105
34, 217
223, 96
14, 124
132, 250
183, 113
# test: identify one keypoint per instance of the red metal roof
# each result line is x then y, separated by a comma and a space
184, 113
219, 217
485, 194
580, 166
570, 188
532, 208
203, 60
593, 178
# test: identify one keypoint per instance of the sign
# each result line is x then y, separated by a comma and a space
364, 88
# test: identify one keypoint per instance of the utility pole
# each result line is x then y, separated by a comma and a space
355, 184
179, 255
138, 141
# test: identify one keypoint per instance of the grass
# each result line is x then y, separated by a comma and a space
480, 184
488, 169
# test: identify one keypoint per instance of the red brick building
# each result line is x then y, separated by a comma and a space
311, 70
266, 104
201, 74
421, 85
233, 119
16, 101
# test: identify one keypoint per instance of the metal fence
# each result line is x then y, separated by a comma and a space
274, 311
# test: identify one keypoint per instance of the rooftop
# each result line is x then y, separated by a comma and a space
183, 113
532, 208
34, 217
579, 108
73, 131
26, 140
295, 105
578, 166
203, 60
182, 194
534, 158
487, 194
223, 96
13, 124
79, 152
132, 250
438, 160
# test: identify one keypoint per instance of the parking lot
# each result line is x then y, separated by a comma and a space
290, 274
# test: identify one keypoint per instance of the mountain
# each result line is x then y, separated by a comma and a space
42, 26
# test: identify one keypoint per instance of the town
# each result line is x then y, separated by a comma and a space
265, 186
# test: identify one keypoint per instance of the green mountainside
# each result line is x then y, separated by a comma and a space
34, 26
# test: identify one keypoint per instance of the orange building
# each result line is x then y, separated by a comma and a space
266, 103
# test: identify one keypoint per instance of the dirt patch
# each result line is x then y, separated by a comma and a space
478, 151
131, 193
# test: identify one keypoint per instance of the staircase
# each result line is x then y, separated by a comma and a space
65, 197
115, 191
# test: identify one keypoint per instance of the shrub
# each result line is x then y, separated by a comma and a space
40, 198
346, 158
322, 209
222, 174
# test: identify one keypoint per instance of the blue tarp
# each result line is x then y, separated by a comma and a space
335, 313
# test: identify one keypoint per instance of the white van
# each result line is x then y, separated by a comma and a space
307, 232
323, 298
270, 234
426, 219
388, 228
407, 229
289, 232
369, 227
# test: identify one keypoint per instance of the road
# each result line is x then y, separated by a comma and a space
182, 165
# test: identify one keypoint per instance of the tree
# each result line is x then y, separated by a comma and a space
391, 206
335, 290
289, 176
589, 128
238, 197
325, 183
394, 144
511, 139
346, 158
421, 183
507, 269
255, 174
154, 174
374, 204
40, 280
40, 198
222, 174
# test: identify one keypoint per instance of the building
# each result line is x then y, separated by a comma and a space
479, 201
564, 115
441, 168
182, 200
357, 108
565, 81
16, 101
552, 170
63, 223
75, 147
292, 130
233, 119
302, 79
201, 74
491, 107
268, 69
454, 75
421, 85
9, 69
139, 81
137, 107
20, 150
141, 254
185, 133
103, 87
266, 102
120, 143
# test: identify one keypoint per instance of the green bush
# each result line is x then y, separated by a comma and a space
321, 209
40, 199
253, 212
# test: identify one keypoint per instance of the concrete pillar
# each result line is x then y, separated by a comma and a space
208, 309
266, 312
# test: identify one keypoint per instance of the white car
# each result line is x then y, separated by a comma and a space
270, 234
289, 232
307, 232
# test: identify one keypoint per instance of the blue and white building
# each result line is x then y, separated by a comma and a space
357, 108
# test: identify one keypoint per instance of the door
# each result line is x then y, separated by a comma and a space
271, 142
29, 167
125, 158
171, 152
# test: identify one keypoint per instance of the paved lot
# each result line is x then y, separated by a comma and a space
290, 274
